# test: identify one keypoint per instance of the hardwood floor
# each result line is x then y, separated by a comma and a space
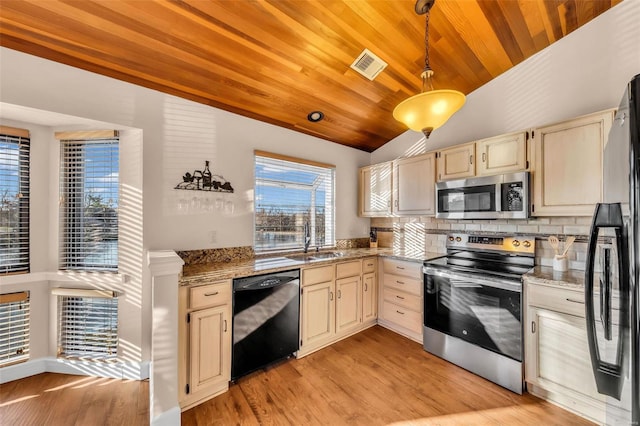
373, 378
60, 399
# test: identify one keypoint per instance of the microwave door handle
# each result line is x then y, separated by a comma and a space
609, 377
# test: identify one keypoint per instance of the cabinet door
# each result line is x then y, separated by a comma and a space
568, 166
375, 190
348, 304
318, 313
369, 297
558, 354
502, 154
210, 347
457, 162
414, 185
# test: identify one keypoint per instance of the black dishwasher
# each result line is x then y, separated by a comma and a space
266, 317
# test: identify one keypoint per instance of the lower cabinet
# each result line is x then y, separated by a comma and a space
348, 304
204, 336
338, 300
401, 297
557, 360
317, 314
369, 297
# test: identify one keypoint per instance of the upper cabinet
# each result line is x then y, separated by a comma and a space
375, 190
414, 185
567, 177
502, 154
457, 162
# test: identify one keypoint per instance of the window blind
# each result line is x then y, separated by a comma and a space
14, 203
290, 194
87, 327
14, 328
89, 204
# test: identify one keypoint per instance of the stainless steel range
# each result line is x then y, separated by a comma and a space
473, 305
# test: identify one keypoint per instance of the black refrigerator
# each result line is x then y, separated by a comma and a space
612, 275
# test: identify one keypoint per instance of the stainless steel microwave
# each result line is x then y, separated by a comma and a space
488, 197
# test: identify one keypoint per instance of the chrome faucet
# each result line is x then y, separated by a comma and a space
307, 236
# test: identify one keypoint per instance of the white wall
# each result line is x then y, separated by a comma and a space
162, 137
584, 72
179, 135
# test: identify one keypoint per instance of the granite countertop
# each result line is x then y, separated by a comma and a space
204, 273
544, 275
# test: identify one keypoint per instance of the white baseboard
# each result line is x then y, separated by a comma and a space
170, 417
22, 370
121, 370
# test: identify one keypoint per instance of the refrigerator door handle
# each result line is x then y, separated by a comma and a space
605, 293
609, 377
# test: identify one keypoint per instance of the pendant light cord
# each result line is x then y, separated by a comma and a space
427, 66
427, 84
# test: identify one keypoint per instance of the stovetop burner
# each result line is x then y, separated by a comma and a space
510, 256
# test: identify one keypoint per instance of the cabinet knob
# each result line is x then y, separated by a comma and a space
484, 157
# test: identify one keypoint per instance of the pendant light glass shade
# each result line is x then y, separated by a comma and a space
427, 111
430, 109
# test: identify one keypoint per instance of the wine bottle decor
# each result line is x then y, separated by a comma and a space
204, 180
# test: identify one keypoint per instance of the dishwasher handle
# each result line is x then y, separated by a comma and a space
266, 281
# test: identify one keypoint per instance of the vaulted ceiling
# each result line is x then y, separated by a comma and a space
278, 60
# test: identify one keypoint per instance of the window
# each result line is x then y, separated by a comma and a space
89, 204
14, 328
14, 201
87, 327
291, 194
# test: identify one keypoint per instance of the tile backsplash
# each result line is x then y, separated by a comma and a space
429, 234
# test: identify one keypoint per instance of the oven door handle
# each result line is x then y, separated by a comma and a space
475, 280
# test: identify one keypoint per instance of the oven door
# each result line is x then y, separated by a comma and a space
479, 310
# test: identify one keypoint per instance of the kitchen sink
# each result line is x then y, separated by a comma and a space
316, 255
326, 255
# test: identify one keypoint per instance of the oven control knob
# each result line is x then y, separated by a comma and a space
450, 238
458, 239
527, 244
516, 243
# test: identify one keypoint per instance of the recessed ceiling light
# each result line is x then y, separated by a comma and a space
315, 116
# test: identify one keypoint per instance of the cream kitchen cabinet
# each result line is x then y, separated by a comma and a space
336, 302
414, 185
204, 335
567, 159
348, 304
400, 298
557, 360
369, 293
457, 162
502, 154
375, 190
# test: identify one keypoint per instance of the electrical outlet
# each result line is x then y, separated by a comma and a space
213, 237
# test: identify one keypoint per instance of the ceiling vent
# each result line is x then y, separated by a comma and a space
368, 64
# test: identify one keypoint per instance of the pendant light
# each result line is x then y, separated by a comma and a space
430, 109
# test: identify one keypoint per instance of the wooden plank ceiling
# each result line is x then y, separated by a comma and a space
278, 60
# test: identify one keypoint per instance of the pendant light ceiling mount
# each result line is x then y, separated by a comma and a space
429, 109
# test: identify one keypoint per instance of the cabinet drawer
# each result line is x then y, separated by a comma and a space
398, 267
348, 269
557, 299
410, 285
369, 265
403, 299
317, 275
210, 295
411, 320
